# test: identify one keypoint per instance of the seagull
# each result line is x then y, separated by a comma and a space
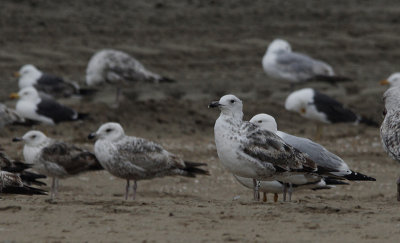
248, 151
112, 66
317, 106
9, 116
390, 128
134, 158
277, 187
12, 183
393, 80
335, 166
43, 109
281, 62
56, 159
30, 76
20, 168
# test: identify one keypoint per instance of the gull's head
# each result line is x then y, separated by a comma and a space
27, 94
28, 70
391, 98
299, 100
33, 138
393, 80
229, 105
265, 122
279, 45
111, 131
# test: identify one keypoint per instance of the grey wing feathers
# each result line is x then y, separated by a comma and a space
390, 135
301, 65
316, 152
73, 159
268, 147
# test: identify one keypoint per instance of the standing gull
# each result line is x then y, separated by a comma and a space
314, 105
248, 151
392, 80
134, 158
30, 76
281, 62
55, 158
390, 128
43, 109
112, 66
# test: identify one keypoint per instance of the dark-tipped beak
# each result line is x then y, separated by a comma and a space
214, 104
17, 139
91, 136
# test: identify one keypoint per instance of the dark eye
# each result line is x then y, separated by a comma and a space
232, 101
259, 121
109, 130
33, 136
384, 112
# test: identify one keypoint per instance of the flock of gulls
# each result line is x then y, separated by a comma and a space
258, 155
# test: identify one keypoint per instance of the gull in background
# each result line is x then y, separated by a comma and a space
11, 183
115, 67
133, 158
281, 62
31, 105
56, 159
314, 105
392, 80
30, 76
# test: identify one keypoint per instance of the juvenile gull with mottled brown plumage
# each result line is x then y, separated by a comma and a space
134, 158
56, 158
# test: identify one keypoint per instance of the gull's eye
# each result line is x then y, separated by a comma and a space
232, 101
384, 112
260, 121
108, 130
33, 136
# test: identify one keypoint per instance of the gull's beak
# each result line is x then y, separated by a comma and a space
384, 82
14, 96
214, 104
92, 135
16, 139
17, 74
303, 111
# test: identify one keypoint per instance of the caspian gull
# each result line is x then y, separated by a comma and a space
325, 160
281, 62
317, 106
390, 128
251, 152
43, 109
392, 80
112, 66
30, 76
134, 158
11, 183
56, 159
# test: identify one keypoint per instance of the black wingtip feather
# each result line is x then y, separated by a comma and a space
331, 181
87, 91
331, 79
25, 190
82, 116
355, 176
369, 122
192, 169
166, 80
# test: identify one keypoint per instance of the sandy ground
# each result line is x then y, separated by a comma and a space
211, 48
